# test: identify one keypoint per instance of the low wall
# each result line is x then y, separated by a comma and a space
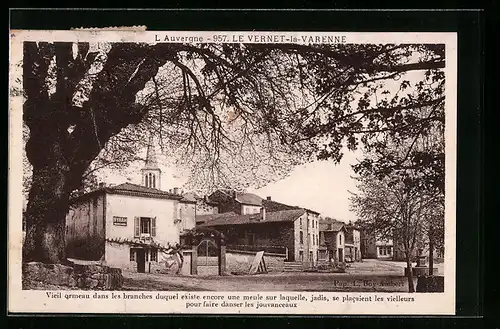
56, 276
240, 261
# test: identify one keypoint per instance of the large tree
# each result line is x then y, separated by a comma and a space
216, 104
397, 211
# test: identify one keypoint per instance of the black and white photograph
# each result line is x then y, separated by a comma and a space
275, 168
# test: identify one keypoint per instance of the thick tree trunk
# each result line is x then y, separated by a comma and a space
47, 208
411, 286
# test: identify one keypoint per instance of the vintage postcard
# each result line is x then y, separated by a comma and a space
232, 172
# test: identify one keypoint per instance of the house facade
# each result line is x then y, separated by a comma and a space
129, 226
352, 243
376, 246
332, 240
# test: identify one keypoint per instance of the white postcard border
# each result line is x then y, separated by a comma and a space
37, 301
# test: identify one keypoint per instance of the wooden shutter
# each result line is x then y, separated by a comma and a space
137, 226
153, 226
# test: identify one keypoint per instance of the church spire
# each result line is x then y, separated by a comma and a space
151, 162
151, 173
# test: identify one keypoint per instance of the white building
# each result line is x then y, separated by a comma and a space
130, 226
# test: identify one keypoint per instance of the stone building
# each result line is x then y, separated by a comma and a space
130, 226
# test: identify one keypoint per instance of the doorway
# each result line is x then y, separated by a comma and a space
341, 255
141, 260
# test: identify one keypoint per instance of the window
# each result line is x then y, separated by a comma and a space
145, 226
300, 222
385, 251
340, 238
132, 255
119, 221
301, 255
154, 255
301, 237
309, 238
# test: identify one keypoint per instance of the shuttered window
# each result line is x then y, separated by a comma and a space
153, 226
137, 227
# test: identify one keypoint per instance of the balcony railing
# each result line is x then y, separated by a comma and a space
267, 249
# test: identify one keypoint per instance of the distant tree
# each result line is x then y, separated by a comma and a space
226, 110
396, 211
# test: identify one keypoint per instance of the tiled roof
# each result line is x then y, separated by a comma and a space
241, 197
271, 205
331, 225
189, 198
248, 198
277, 216
139, 190
276, 206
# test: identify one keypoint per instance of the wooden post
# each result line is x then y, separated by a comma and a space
194, 260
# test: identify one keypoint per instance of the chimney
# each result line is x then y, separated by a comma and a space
176, 190
170, 191
268, 198
263, 213
234, 194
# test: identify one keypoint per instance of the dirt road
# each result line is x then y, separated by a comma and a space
371, 275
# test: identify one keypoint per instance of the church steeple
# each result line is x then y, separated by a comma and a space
151, 173
151, 162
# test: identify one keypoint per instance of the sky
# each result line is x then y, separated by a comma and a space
322, 186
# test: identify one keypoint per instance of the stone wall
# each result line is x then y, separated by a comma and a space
240, 261
62, 277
